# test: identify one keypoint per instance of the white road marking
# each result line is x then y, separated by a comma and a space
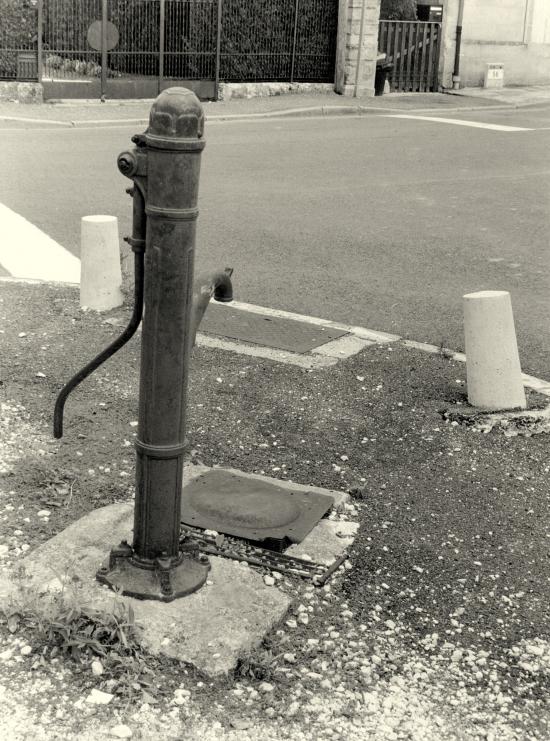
24, 119
27, 252
458, 122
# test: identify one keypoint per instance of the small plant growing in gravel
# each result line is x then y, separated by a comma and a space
444, 351
258, 664
261, 662
63, 626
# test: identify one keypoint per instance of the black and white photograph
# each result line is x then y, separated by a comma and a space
275, 370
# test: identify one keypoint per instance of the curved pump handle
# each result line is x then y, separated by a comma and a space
108, 352
205, 286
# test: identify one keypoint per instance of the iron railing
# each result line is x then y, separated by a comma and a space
232, 40
412, 48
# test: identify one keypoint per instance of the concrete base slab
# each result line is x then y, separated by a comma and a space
210, 629
326, 542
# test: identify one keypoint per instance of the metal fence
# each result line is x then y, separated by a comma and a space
231, 40
413, 48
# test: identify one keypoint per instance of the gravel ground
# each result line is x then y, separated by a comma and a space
436, 629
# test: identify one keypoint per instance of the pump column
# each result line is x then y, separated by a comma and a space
154, 567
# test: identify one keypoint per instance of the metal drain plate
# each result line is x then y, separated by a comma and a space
281, 333
257, 510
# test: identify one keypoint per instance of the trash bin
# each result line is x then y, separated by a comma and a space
382, 71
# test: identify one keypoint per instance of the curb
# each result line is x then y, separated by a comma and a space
317, 359
305, 112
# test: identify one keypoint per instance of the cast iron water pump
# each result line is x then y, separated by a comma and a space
164, 167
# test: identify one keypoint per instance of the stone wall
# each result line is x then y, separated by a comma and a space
357, 47
21, 92
228, 90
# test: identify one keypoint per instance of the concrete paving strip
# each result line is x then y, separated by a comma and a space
211, 628
280, 356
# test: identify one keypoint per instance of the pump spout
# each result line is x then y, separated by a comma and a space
206, 286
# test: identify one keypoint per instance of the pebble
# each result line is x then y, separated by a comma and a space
292, 709
121, 731
97, 668
289, 658
26, 650
266, 687
43, 513
269, 581
97, 697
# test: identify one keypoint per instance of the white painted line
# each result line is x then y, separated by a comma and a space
24, 119
83, 123
26, 252
38, 282
458, 122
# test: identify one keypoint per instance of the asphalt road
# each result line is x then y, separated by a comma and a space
377, 221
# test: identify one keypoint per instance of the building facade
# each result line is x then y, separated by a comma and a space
514, 33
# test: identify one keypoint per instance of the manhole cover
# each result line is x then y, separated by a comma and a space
257, 510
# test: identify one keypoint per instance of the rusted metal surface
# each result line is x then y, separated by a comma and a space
253, 509
241, 550
164, 166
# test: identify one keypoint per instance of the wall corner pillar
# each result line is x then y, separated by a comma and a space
357, 47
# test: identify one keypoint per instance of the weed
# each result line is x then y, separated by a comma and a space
444, 351
64, 627
258, 664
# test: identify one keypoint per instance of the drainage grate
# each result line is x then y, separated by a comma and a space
240, 550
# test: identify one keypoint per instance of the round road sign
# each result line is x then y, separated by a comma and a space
94, 35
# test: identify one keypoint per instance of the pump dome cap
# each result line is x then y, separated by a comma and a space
176, 114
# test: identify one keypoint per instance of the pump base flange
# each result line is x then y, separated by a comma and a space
154, 581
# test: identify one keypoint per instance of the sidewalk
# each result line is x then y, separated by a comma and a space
439, 629
87, 112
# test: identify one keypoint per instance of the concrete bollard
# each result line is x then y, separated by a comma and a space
100, 273
492, 361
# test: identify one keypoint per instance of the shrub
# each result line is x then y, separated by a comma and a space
18, 31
